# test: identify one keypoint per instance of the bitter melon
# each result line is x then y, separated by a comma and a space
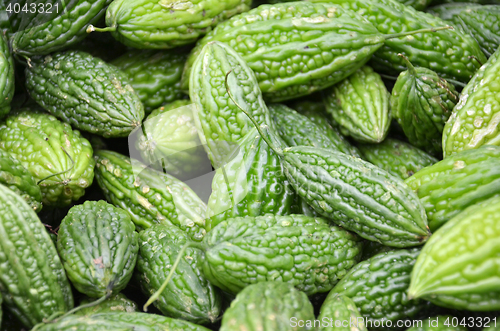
422, 102
332, 132
357, 196
86, 92
397, 157
18, 179
189, 295
452, 54
481, 22
251, 184
149, 196
116, 303
33, 284
378, 288
52, 28
457, 182
474, 121
219, 122
6, 76
299, 130
154, 75
339, 313
359, 105
121, 322
306, 252
54, 154
269, 306
169, 141
457, 267
98, 247
167, 24
311, 46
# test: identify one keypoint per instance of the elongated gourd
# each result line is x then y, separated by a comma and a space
457, 182
166, 24
452, 54
269, 306
397, 157
474, 121
169, 140
149, 196
57, 157
86, 92
33, 284
306, 252
422, 102
53, 26
359, 105
251, 184
378, 287
116, 303
98, 246
155, 75
189, 295
457, 267
219, 122
339, 313
120, 322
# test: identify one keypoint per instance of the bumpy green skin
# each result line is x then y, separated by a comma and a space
474, 121
251, 184
437, 323
189, 295
340, 309
98, 247
446, 52
168, 24
299, 130
268, 306
121, 322
65, 29
359, 105
457, 267
311, 46
18, 179
220, 122
357, 195
417, 4
86, 92
397, 157
169, 139
32, 279
57, 157
378, 287
457, 182
6, 76
154, 75
331, 132
422, 102
481, 22
303, 251
115, 304
149, 196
